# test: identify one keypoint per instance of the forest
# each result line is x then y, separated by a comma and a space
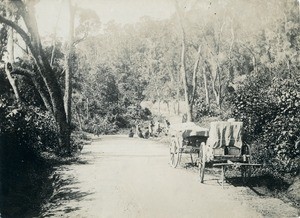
225, 59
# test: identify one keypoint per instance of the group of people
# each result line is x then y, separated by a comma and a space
151, 130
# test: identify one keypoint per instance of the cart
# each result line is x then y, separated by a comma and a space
185, 138
224, 148
221, 145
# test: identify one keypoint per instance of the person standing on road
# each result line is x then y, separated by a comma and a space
147, 133
139, 131
131, 133
158, 128
151, 125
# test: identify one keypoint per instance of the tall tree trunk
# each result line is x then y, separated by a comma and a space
194, 82
207, 100
68, 65
49, 78
87, 109
183, 65
10, 50
158, 106
185, 82
195, 75
178, 95
175, 81
78, 117
216, 78
55, 38
57, 102
216, 93
178, 102
219, 100
168, 106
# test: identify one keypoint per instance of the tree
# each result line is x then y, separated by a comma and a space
189, 89
53, 97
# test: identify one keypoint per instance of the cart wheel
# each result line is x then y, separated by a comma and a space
246, 173
246, 150
174, 153
201, 164
192, 160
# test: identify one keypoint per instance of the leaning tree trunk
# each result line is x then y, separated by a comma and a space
56, 97
55, 104
49, 78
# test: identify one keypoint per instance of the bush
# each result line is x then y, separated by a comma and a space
28, 127
201, 109
270, 111
117, 118
25, 132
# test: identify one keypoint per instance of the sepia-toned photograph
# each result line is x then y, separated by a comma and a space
149, 108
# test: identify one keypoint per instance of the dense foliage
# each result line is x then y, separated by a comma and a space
269, 109
28, 127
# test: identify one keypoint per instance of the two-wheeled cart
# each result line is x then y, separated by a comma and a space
221, 145
225, 148
185, 138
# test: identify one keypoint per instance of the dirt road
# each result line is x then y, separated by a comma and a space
130, 177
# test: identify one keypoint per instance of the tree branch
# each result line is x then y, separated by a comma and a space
23, 49
8, 71
23, 72
18, 29
81, 39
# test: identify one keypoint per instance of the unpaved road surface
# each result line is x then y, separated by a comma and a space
131, 177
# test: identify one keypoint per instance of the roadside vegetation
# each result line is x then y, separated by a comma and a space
242, 62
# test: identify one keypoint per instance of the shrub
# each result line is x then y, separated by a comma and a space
270, 111
28, 127
24, 174
115, 119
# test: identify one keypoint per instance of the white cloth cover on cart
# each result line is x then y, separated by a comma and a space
224, 133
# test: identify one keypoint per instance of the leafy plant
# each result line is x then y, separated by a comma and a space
270, 111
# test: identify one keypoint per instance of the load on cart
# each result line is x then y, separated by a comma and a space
185, 138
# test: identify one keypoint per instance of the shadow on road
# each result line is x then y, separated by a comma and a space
65, 190
260, 185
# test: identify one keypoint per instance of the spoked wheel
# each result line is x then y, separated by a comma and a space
246, 151
174, 153
246, 170
192, 159
201, 162
246, 173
